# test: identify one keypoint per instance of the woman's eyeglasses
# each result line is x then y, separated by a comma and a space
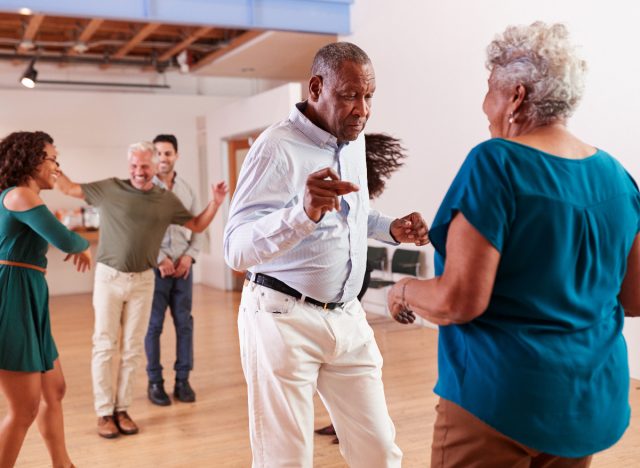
53, 160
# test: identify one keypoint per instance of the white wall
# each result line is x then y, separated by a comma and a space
429, 60
92, 131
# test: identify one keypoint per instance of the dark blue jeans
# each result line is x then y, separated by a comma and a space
174, 293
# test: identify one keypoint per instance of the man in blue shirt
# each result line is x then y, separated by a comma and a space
174, 281
299, 222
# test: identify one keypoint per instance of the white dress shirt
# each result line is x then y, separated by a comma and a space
268, 230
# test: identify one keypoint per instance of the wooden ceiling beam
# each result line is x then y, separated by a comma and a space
90, 29
233, 44
86, 34
197, 34
32, 28
135, 40
30, 32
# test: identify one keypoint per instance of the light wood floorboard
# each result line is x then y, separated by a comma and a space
213, 431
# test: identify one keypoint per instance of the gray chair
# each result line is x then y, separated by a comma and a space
377, 258
404, 262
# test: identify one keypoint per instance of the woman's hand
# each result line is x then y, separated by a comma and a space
402, 315
82, 260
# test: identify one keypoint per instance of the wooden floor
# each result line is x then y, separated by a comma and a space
213, 431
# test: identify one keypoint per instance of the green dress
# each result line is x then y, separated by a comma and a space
26, 343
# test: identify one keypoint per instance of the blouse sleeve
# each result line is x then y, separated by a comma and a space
42, 221
482, 192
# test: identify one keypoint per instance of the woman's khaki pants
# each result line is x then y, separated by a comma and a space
462, 440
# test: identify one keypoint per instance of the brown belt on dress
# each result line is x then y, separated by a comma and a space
23, 265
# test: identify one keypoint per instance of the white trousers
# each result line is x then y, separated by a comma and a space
122, 305
289, 350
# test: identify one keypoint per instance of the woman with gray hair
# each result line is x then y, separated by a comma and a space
537, 263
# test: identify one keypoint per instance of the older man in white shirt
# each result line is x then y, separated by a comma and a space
299, 223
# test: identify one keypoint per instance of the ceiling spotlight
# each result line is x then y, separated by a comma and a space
28, 79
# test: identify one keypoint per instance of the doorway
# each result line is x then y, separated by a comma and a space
237, 150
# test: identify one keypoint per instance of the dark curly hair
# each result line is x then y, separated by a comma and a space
384, 157
20, 155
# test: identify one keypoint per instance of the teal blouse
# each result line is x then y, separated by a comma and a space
26, 343
546, 364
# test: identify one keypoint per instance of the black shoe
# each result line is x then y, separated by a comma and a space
327, 430
183, 391
157, 395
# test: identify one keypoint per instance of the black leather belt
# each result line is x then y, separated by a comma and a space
277, 285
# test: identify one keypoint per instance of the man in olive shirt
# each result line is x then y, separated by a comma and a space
134, 215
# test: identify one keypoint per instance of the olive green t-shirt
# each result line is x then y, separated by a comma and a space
132, 222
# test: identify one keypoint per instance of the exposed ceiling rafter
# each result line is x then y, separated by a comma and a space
140, 36
126, 46
30, 32
86, 34
197, 34
32, 27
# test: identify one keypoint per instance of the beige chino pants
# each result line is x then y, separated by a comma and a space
122, 304
291, 349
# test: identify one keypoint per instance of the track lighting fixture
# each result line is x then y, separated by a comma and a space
30, 78
30, 75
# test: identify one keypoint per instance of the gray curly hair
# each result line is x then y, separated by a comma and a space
543, 60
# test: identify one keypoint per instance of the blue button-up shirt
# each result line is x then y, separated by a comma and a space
178, 240
268, 230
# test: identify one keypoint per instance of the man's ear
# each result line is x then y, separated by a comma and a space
315, 87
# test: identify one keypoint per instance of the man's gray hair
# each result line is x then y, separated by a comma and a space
543, 60
143, 147
330, 58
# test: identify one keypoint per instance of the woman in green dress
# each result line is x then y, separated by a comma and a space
31, 378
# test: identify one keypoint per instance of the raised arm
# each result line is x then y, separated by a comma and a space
200, 222
630, 290
68, 187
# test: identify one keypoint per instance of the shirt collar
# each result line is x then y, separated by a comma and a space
319, 136
157, 181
